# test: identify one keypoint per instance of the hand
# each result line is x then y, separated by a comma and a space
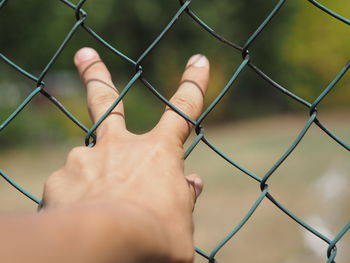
145, 172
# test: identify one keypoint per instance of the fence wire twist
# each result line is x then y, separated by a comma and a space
184, 9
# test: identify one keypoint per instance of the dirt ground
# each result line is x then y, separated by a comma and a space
313, 183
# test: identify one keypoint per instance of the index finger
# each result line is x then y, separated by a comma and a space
189, 98
101, 92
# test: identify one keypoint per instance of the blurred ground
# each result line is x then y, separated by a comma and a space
313, 183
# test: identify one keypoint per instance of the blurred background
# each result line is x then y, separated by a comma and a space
302, 48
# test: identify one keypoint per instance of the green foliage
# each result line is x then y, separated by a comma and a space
316, 49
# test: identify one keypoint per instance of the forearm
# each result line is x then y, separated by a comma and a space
83, 234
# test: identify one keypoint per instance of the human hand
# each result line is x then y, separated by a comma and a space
146, 171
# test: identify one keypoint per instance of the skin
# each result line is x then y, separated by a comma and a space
127, 198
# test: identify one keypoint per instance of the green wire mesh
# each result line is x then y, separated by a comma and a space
184, 9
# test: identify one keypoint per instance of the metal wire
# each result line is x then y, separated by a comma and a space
184, 9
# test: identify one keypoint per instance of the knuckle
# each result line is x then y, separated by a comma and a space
168, 141
100, 69
172, 143
51, 181
163, 142
103, 99
96, 68
76, 154
185, 105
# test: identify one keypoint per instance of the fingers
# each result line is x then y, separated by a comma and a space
189, 98
196, 185
101, 92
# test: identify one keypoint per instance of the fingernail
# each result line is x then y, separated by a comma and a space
198, 61
85, 54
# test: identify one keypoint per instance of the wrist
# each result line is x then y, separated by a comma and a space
126, 233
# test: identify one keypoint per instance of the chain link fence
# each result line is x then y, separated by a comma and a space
185, 10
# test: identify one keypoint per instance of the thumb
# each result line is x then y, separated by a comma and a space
195, 183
